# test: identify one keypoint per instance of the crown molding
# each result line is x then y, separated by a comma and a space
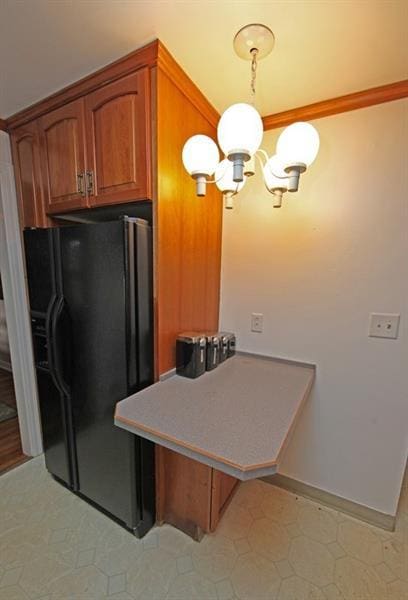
334, 106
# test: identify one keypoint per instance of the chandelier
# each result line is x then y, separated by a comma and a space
240, 133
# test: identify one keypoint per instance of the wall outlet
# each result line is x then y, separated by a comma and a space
384, 325
257, 322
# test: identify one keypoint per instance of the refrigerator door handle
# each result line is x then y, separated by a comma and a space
48, 333
58, 314
131, 306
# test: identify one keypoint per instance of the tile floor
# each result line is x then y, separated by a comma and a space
270, 545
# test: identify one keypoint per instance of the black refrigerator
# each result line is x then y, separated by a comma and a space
90, 291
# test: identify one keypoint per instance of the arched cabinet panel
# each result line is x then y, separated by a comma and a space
118, 140
63, 157
25, 146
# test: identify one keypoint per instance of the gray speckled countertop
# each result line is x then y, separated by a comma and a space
237, 418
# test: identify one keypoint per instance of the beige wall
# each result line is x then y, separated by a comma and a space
336, 251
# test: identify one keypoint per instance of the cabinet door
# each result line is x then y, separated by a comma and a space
26, 158
118, 140
63, 157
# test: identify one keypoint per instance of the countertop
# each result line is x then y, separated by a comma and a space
237, 418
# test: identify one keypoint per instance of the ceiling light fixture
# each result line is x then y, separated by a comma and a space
240, 132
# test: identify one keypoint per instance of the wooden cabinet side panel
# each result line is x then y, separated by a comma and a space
26, 159
188, 228
224, 487
183, 492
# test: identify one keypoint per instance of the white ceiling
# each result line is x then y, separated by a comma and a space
324, 48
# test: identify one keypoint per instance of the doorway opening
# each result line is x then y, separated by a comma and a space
11, 452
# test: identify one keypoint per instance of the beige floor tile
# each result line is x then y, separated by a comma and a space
11, 577
235, 522
214, 557
251, 493
358, 581
120, 559
396, 557
360, 542
285, 569
174, 541
385, 572
296, 588
184, 564
117, 584
255, 577
293, 530
332, 592
85, 582
311, 561
398, 590
22, 544
152, 574
13, 592
66, 550
336, 550
242, 546
224, 590
41, 571
280, 506
192, 586
317, 523
269, 539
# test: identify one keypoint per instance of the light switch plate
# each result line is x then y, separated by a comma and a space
384, 325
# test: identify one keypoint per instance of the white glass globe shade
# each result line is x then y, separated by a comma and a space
273, 172
223, 177
200, 155
298, 143
240, 129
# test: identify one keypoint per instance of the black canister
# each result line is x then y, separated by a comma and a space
232, 342
213, 351
224, 343
191, 350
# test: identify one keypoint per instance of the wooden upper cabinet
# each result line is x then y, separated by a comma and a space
63, 157
26, 157
118, 140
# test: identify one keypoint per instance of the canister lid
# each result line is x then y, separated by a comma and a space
191, 337
226, 334
212, 336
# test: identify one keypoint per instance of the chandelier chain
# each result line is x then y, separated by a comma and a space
254, 65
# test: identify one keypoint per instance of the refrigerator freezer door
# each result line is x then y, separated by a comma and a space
94, 288
54, 428
44, 288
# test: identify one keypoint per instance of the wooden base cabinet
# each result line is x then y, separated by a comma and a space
190, 495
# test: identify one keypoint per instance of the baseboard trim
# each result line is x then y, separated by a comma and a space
353, 509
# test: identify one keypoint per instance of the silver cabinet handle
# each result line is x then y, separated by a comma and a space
89, 183
80, 184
